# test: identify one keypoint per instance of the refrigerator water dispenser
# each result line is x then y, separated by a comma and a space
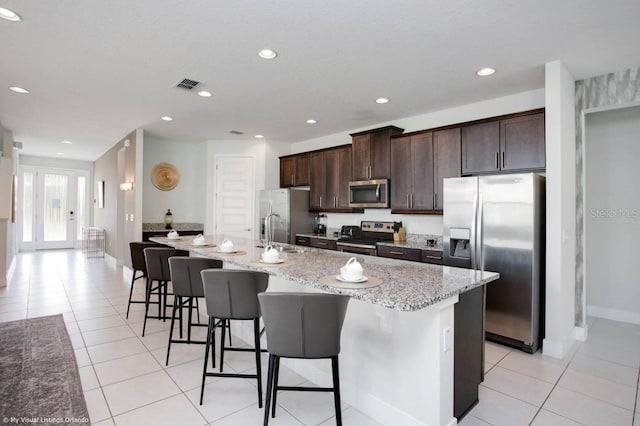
459, 246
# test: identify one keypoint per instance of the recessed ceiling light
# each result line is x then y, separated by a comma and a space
204, 93
59, 153
382, 101
18, 89
311, 121
267, 54
67, 142
9, 15
485, 72
259, 136
167, 118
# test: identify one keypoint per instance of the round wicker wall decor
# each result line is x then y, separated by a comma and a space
165, 176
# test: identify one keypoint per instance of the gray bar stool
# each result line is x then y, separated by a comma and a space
157, 260
138, 265
187, 287
302, 325
232, 295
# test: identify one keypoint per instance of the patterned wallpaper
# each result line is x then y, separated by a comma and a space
615, 89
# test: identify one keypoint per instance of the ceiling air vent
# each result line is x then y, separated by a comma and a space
187, 84
236, 132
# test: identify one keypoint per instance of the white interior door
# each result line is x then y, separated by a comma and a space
235, 197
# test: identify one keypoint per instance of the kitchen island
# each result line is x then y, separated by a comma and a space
396, 363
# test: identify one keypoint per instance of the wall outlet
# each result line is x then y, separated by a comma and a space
126, 217
447, 340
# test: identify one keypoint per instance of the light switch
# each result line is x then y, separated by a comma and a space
447, 340
131, 217
126, 217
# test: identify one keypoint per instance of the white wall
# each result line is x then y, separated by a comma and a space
560, 205
273, 150
612, 196
424, 224
187, 200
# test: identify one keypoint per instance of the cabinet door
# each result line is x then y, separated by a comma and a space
316, 180
301, 170
522, 142
380, 151
344, 176
323, 243
480, 147
401, 173
422, 155
287, 171
446, 161
361, 151
331, 179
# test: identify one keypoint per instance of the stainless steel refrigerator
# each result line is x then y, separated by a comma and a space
286, 212
496, 223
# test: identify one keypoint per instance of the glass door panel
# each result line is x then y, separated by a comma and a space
54, 212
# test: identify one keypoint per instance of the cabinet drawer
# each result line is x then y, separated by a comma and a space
303, 241
431, 256
402, 253
323, 243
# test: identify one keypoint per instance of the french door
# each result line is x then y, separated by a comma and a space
53, 207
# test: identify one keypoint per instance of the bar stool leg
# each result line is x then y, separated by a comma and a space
276, 375
189, 319
224, 321
206, 357
256, 338
133, 280
146, 305
173, 321
267, 401
336, 389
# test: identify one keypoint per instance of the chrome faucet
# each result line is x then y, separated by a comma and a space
268, 225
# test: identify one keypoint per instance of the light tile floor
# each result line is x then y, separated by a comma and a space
126, 382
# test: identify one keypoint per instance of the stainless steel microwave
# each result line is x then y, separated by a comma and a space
369, 193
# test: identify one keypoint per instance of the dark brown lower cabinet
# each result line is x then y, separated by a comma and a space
468, 353
402, 253
323, 243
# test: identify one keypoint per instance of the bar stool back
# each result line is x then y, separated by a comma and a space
187, 284
157, 260
302, 325
138, 264
232, 295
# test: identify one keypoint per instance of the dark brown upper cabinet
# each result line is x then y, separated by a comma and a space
505, 144
446, 161
522, 142
371, 151
419, 163
330, 173
294, 170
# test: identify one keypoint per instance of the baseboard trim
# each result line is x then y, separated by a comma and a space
110, 260
582, 333
558, 349
613, 314
127, 273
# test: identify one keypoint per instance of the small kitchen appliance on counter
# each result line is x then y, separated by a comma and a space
321, 224
363, 239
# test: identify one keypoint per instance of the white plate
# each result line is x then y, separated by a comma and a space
273, 262
199, 244
173, 238
344, 280
227, 252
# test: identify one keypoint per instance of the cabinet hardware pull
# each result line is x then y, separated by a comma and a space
320, 201
321, 243
396, 252
434, 257
408, 201
435, 200
335, 202
411, 200
497, 160
503, 159
293, 179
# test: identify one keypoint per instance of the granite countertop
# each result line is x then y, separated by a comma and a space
155, 227
411, 244
406, 286
328, 236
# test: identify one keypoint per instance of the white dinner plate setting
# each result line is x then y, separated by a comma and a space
345, 280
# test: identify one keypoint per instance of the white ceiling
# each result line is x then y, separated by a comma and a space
96, 70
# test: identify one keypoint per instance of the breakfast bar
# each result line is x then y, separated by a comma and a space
397, 358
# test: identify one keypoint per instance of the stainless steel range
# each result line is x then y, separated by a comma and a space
363, 239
